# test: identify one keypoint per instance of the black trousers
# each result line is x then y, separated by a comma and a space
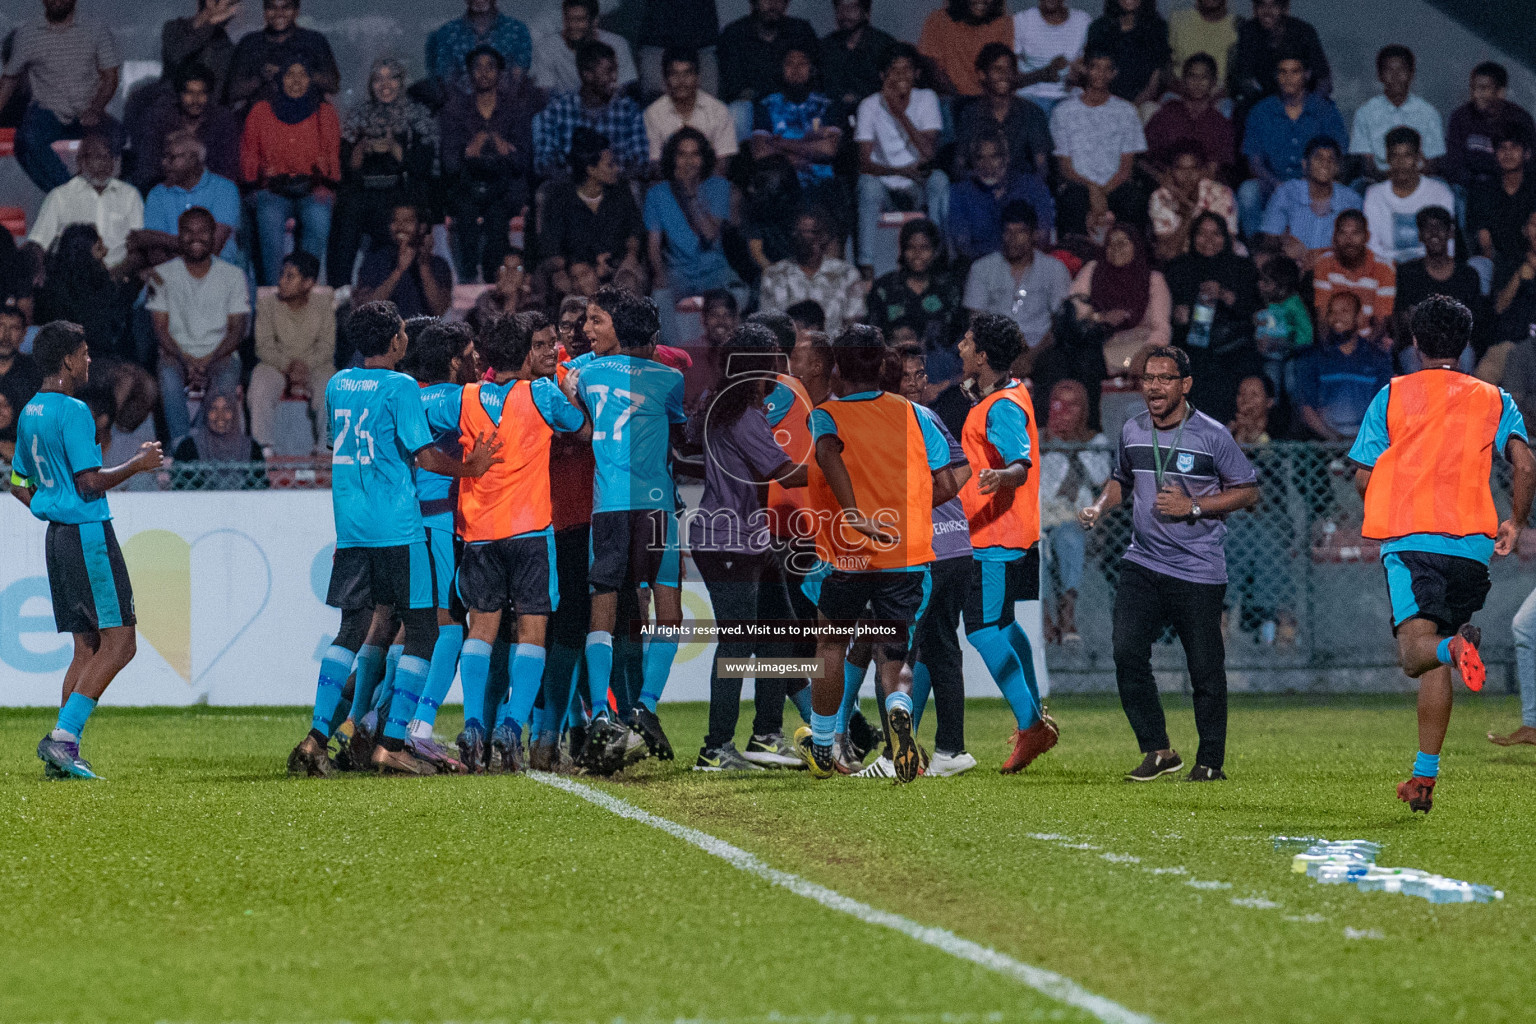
1128, 203
938, 648
744, 588
1146, 603
480, 219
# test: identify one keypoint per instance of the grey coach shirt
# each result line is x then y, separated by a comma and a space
1206, 462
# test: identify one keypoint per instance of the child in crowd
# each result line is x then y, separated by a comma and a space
1284, 325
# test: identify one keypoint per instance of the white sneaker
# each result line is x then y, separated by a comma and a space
880, 768
944, 765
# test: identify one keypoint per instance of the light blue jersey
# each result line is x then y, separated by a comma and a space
55, 439
633, 403
377, 425
436, 493
553, 406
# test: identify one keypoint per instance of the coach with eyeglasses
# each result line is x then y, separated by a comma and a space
1185, 473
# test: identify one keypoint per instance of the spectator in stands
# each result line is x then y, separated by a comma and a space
199, 306
1069, 480
188, 183
1019, 281
1210, 28
1192, 116
218, 437
1392, 206
407, 273
920, 294
810, 273
796, 122
1097, 137
591, 225
487, 159
1212, 278
976, 202
1023, 124
512, 293
16, 284
1475, 128
851, 55
71, 68
19, 375
295, 345
597, 106
1337, 379
682, 25
1277, 133
1190, 189
262, 59
1049, 39
684, 105
200, 41
771, 198
388, 153
290, 155
1498, 209
1350, 267
1515, 303
1396, 107
93, 196
1125, 294
1440, 271
189, 107
953, 36
751, 52
554, 57
450, 44
1253, 70
1299, 217
1137, 37
686, 216
1284, 325
898, 136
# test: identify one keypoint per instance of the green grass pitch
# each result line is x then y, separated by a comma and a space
198, 884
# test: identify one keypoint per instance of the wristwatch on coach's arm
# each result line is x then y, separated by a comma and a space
1194, 509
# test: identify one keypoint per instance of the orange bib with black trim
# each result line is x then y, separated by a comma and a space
1003, 519
793, 435
512, 497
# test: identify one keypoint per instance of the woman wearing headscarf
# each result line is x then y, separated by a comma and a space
223, 452
1215, 294
290, 155
388, 147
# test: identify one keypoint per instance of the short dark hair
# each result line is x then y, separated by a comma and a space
859, 353
593, 52
1296, 54
1201, 58
587, 147
533, 321
373, 326
989, 135
1402, 135
635, 319
808, 313
9, 308
721, 297
194, 213
1345, 215
193, 71
484, 50
997, 338
1318, 142
1017, 211
679, 55
56, 341
898, 51
306, 263
992, 53
921, 226
1097, 52
1434, 213
432, 352
1284, 273
911, 350
669, 152
782, 326
1441, 327
1186, 147
1391, 50
822, 346
589, 5
1179, 356
504, 343
1494, 70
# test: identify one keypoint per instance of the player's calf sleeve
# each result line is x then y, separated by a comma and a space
369, 669
853, 678
445, 662
599, 657
384, 696
1003, 663
527, 673
1019, 641
474, 669
335, 666
922, 686
659, 655
498, 682
560, 674
801, 699
410, 680
73, 714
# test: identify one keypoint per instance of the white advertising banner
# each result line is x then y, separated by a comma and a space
229, 588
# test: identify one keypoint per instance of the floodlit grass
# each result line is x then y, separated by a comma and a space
200, 884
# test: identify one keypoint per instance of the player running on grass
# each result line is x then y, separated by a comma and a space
505, 520
57, 474
379, 432
1424, 452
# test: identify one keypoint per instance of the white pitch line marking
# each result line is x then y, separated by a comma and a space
1046, 982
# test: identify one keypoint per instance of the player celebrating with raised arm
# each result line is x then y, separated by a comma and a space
378, 434
634, 402
1424, 452
57, 474
1002, 503
879, 470
505, 520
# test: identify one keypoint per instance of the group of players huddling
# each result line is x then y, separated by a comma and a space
448, 556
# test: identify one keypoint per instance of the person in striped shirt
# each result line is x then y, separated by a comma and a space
1351, 267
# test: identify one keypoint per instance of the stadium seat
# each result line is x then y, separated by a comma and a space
7, 142
14, 220
689, 326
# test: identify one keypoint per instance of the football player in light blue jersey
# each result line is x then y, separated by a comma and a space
57, 473
379, 434
634, 403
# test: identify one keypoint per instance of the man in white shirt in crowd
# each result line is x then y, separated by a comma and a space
685, 105
295, 345
198, 306
93, 196
1049, 39
1097, 136
1392, 206
898, 136
554, 55
1395, 107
